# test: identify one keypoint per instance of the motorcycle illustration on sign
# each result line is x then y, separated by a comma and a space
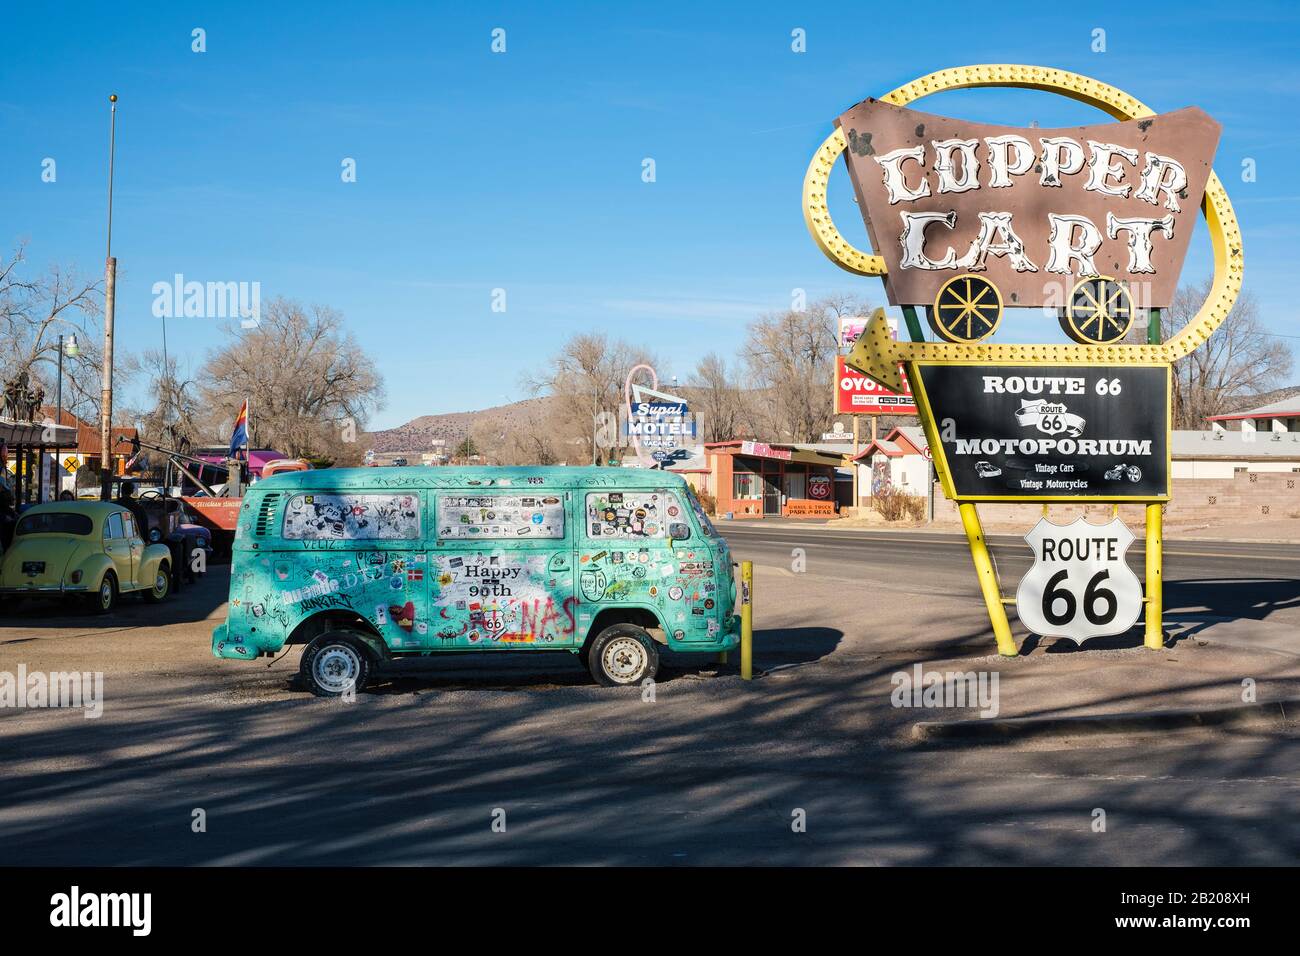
1080, 585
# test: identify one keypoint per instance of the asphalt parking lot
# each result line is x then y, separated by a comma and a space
712, 769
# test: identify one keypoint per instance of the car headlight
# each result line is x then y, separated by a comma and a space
155, 535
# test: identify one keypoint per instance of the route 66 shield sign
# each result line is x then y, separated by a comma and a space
1080, 585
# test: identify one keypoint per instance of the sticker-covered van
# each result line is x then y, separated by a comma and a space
367, 565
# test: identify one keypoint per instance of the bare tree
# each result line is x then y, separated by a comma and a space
310, 386
34, 313
716, 399
176, 418
587, 376
1240, 359
791, 357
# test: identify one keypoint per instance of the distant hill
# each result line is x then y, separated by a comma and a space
1244, 402
417, 435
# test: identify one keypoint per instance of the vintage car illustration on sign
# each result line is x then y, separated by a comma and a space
365, 566
87, 549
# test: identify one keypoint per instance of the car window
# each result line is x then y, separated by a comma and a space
113, 525
352, 517
502, 517
631, 514
128, 526
54, 522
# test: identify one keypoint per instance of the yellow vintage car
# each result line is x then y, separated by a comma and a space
83, 549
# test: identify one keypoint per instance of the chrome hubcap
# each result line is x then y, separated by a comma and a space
624, 659
337, 668
160, 583
106, 594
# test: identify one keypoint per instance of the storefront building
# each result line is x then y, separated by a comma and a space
896, 462
751, 479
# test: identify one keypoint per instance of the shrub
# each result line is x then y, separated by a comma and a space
707, 502
896, 505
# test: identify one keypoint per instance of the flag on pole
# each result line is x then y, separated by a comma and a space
239, 437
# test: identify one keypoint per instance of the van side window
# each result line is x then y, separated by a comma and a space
311, 517
631, 514
501, 517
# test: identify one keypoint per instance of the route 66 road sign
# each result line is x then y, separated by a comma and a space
1080, 585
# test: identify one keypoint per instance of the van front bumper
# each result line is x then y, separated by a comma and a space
222, 646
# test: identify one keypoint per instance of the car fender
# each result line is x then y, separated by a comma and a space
92, 564
153, 553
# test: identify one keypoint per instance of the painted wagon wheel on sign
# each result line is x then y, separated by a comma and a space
968, 308
1100, 311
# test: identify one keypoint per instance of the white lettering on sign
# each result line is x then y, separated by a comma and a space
1080, 585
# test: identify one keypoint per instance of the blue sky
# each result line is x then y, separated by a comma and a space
522, 170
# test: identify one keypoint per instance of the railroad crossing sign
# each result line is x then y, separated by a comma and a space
1090, 224
1080, 585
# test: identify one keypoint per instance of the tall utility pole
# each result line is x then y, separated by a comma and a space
110, 282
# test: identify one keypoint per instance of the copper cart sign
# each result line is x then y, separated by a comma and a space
1028, 210
1092, 222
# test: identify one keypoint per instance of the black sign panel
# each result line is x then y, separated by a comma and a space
1047, 432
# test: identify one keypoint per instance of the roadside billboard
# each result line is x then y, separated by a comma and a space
856, 394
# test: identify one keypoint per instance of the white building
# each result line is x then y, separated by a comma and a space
899, 461
1283, 416
1223, 454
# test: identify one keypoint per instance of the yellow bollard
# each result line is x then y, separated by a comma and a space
1155, 635
988, 578
746, 620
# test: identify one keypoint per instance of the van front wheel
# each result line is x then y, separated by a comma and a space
334, 664
621, 655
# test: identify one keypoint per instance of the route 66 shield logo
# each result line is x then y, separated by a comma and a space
1080, 585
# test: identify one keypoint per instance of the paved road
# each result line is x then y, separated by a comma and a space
712, 770
1202, 578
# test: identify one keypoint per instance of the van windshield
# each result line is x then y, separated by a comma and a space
705, 524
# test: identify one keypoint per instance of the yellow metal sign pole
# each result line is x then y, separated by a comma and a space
990, 587
1155, 635
988, 577
746, 620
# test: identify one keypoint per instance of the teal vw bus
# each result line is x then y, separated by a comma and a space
367, 565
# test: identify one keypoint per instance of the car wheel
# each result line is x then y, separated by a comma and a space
335, 663
105, 599
621, 655
162, 584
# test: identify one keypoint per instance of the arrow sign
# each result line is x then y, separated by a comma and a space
877, 355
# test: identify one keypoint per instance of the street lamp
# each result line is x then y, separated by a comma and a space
68, 345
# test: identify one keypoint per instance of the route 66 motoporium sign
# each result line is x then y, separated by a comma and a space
1050, 432
1080, 585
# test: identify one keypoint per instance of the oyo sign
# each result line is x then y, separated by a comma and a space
855, 393
1080, 585
942, 197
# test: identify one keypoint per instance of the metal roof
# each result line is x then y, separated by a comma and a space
1225, 444
1282, 409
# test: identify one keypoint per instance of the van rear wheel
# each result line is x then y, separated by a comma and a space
335, 663
621, 655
